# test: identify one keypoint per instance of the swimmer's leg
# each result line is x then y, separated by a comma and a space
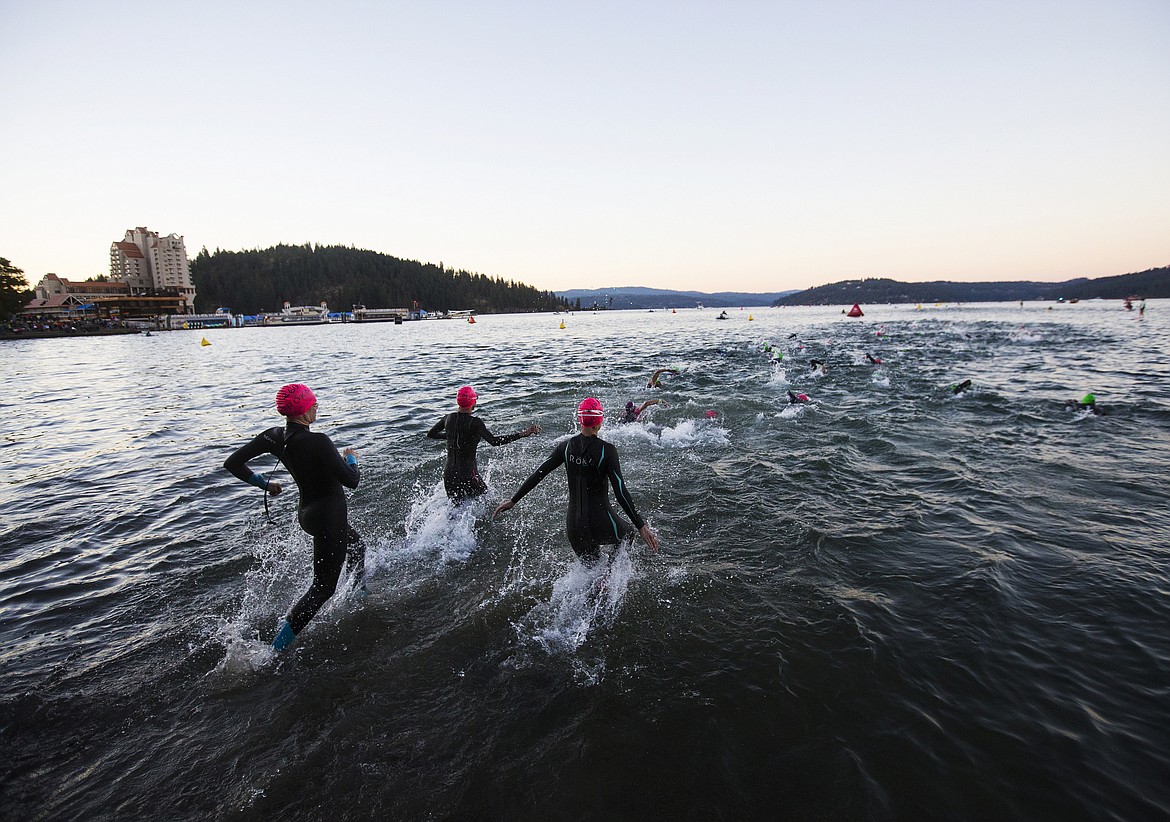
328, 557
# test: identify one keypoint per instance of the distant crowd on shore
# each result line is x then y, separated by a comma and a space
40, 325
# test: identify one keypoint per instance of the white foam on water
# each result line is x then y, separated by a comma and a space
241, 660
685, 434
435, 524
1026, 335
283, 574
880, 379
694, 432
584, 598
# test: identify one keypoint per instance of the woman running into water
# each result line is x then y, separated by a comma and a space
321, 474
590, 463
462, 431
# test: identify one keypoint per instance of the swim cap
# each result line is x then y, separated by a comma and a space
589, 413
1088, 399
629, 405
466, 397
294, 399
711, 414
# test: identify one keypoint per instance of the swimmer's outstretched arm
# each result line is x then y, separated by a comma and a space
556, 458
654, 377
507, 438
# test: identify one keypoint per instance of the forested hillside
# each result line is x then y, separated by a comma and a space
1152, 283
248, 282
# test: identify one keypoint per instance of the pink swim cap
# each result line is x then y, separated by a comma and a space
466, 397
711, 414
294, 399
589, 413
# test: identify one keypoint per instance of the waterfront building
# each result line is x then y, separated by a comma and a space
150, 264
52, 286
60, 299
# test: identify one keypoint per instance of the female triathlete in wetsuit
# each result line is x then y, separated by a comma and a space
462, 431
320, 472
590, 463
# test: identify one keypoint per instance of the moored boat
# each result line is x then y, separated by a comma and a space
299, 315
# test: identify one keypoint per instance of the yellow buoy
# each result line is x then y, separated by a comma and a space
750, 318
204, 341
562, 323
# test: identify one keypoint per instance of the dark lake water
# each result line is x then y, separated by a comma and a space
892, 602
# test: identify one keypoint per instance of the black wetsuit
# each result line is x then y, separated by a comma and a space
320, 472
590, 522
463, 431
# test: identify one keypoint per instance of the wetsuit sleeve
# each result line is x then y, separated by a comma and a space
555, 459
613, 469
347, 473
438, 430
488, 436
264, 443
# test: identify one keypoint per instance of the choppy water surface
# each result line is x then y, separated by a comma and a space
890, 603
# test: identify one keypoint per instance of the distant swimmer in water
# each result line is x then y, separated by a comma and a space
796, 397
321, 475
1086, 403
960, 387
591, 464
655, 382
874, 360
633, 413
463, 431
818, 366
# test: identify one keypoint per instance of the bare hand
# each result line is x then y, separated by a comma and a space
349, 452
650, 537
506, 505
533, 429
274, 488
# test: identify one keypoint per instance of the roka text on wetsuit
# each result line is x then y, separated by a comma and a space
320, 472
463, 431
590, 463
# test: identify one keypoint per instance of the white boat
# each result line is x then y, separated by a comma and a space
299, 315
222, 318
361, 314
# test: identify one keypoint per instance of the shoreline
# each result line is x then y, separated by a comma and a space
45, 335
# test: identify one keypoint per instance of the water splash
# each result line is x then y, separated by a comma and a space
435, 524
585, 600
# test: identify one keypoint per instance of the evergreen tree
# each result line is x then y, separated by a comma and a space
14, 290
249, 282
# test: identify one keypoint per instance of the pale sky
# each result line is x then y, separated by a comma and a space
753, 146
